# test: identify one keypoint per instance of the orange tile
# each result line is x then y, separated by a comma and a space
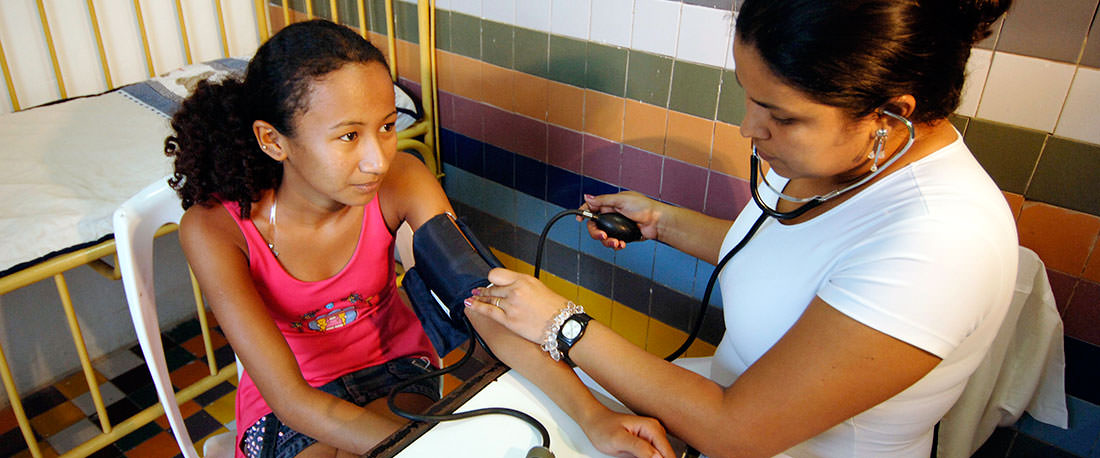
603, 115
497, 86
644, 126
629, 323
699, 349
56, 419
189, 408
1015, 203
530, 96
8, 421
689, 138
444, 73
567, 109
380, 41
163, 445
466, 76
76, 385
1092, 267
1061, 237
189, 373
196, 347
731, 151
450, 382
408, 60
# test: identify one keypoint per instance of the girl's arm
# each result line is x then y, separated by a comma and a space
827, 368
414, 195
218, 255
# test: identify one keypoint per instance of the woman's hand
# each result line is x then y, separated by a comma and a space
643, 210
625, 435
518, 302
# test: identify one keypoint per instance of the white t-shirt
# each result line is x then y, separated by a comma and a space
927, 255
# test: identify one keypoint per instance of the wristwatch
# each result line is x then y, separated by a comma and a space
571, 331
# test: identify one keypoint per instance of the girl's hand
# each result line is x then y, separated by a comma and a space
625, 435
518, 302
641, 209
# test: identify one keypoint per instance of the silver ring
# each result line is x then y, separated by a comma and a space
496, 302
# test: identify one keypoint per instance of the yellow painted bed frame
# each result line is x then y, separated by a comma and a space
421, 136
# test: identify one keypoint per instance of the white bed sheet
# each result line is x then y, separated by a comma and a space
64, 168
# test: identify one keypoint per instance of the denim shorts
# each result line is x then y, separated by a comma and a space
359, 387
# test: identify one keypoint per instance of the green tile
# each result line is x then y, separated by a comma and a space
378, 16
567, 58
466, 35
1007, 153
407, 22
321, 10
1066, 176
496, 43
532, 48
349, 12
606, 69
959, 121
648, 78
443, 30
731, 100
694, 89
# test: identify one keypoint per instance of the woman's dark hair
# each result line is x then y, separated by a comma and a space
858, 54
215, 151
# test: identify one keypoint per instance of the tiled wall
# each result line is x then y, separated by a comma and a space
545, 100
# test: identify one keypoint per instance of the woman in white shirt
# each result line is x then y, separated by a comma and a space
853, 319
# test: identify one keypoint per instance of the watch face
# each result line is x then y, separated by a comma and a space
571, 329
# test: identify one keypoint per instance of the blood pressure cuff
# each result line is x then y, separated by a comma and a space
449, 263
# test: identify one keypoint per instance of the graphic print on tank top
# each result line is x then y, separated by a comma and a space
335, 314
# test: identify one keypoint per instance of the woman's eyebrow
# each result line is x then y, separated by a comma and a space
352, 122
758, 102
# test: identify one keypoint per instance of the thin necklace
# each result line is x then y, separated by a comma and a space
271, 221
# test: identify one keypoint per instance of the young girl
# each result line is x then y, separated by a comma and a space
294, 189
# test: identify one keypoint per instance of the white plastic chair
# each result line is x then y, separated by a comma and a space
136, 222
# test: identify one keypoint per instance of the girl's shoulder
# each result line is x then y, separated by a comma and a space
211, 226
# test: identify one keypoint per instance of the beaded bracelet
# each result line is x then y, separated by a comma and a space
550, 339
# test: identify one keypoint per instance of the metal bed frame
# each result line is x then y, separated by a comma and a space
421, 137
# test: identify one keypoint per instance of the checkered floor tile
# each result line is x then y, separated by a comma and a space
63, 415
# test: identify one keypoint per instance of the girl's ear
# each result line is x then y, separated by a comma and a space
269, 139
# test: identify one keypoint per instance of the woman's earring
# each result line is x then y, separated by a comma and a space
876, 152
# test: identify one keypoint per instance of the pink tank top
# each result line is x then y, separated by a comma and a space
337, 325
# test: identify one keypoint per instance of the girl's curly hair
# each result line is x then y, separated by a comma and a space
217, 157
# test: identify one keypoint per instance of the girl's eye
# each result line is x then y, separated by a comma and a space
349, 136
388, 127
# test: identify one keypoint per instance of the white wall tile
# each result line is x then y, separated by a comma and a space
1079, 118
612, 21
533, 14
655, 24
502, 11
977, 69
444, 4
1025, 91
570, 18
704, 35
730, 64
470, 7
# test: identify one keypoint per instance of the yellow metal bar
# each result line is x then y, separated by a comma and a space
151, 413
221, 27
263, 19
435, 101
99, 45
82, 351
111, 272
17, 406
203, 323
335, 12
425, 18
309, 9
362, 18
183, 31
7, 78
53, 50
391, 40
145, 39
286, 14
419, 128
